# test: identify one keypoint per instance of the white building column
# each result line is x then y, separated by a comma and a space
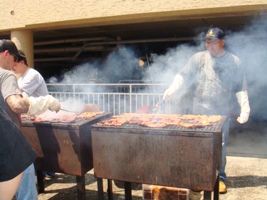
24, 41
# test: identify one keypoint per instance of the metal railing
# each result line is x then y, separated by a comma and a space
114, 98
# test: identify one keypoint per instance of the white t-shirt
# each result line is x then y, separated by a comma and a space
33, 83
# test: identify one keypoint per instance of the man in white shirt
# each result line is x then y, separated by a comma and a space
31, 82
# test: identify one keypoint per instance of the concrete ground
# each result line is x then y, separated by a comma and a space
246, 170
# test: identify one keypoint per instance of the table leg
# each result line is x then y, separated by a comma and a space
110, 191
81, 194
40, 181
100, 192
207, 195
216, 189
128, 190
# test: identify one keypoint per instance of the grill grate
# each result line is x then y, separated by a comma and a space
214, 127
76, 122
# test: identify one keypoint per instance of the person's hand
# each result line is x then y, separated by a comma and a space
176, 84
54, 105
242, 98
41, 104
243, 118
168, 93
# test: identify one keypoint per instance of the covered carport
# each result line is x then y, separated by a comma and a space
57, 36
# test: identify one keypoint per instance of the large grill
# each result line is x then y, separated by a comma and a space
170, 156
63, 147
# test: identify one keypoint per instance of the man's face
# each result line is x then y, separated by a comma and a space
18, 67
9, 60
215, 47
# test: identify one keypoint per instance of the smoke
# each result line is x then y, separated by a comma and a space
249, 44
120, 64
164, 67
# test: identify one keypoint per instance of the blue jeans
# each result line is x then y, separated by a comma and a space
27, 188
225, 137
200, 110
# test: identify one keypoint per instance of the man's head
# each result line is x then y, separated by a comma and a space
8, 54
22, 57
215, 41
21, 64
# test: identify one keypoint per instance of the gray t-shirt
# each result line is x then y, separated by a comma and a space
8, 86
215, 80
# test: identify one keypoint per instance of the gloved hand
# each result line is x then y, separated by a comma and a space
176, 84
54, 105
41, 104
242, 98
243, 118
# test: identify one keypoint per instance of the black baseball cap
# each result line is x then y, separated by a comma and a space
11, 47
215, 34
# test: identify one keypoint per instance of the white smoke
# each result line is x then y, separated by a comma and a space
164, 67
249, 44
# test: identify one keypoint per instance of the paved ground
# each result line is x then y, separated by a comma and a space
246, 169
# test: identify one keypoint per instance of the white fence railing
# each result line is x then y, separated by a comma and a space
114, 98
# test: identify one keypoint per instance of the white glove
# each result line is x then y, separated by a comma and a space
41, 104
176, 84
242, 98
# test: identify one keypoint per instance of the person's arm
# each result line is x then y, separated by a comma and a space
18, 104
241, 93
31, 105
176, 84
242, 99
189, 70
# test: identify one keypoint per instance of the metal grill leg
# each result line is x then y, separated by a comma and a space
100, 193
207, 195
110, 192
128, 190
40, 181
216, 189
81, 194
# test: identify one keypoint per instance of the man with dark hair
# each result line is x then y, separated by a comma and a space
31, 82
217, 76
12, 103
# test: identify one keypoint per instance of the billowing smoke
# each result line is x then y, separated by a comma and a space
164, 67
85, 73
249, 44
120, 64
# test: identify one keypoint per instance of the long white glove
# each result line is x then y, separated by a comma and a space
176, 84
242, 98
41, 104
